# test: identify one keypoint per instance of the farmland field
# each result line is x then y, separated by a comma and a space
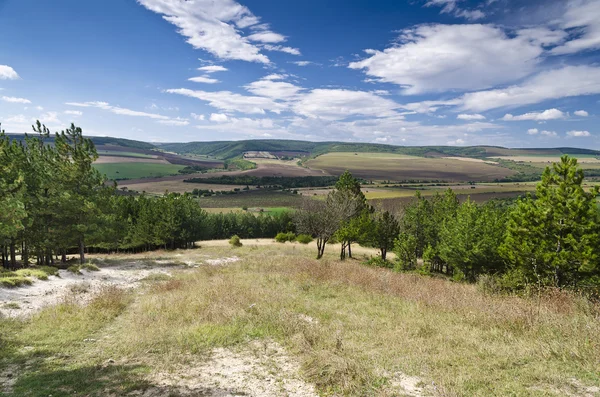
175, 186
137, 170
252, 199
383, 166
119, 159
119, 153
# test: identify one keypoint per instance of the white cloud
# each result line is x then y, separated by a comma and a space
8, 73
303, 63
18, 119
274, 76
335, 104
13, 99
218, 117
456, 142
213, 69
568, 81
214, 26
470, 117
543, 36
433, 58
288, 50
204, 79
549, 133
73, 112
177, 122
581, 113
532, 131
577, 134
50, 118
267, 37
233, 102
550, 114
273, 89
582, 18
199, 117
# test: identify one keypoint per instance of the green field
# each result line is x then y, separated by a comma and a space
253, 199
394, 167
118, 171
117, 153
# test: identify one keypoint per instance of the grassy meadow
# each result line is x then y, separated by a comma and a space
355, 330
136, 170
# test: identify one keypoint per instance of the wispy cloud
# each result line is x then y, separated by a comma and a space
129, 112
12, 99
204, 79
217, 27
213, 69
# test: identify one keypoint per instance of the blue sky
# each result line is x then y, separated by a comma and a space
417, 72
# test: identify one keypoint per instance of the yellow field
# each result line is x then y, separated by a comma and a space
385, 166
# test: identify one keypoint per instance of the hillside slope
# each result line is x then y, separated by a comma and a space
231, 149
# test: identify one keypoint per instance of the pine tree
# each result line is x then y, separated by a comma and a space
554, 239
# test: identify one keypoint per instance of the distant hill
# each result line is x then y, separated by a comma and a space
231, 149
225, 150
100, 141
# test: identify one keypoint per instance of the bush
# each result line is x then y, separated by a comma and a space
37, 273
304, 239
90, 267
378, 262
49, 270
15, 281
488, 284
75, 269
235, 241
283, 237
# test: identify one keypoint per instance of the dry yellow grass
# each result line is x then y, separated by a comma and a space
366, 326
384, 166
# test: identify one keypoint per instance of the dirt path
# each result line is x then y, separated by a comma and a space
23, 301
263, 368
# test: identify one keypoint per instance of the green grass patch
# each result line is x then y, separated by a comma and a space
14, 281
120, 171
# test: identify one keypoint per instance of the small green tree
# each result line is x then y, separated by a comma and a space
554, 239
382, 232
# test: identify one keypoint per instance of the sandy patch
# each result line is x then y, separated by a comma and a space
222, 261
23, 301
262, 368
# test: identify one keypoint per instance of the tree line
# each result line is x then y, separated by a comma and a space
551, 238
286, 182
53, 203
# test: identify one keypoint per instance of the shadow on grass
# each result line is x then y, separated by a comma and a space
110, 380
